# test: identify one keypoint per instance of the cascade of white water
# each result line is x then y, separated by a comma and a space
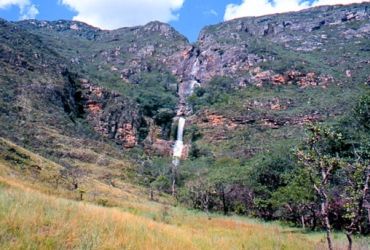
194, 72
195, 67
179, 144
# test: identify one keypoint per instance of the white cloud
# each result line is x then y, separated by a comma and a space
210, 12
27, 10
112, 14
7, 3
265, 7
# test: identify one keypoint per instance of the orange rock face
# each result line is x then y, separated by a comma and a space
118, 122
94, 107
218, 120
161, 147
278, 80
165, 148
127, 135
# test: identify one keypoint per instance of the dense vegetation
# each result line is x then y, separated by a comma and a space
285, 182
43, 210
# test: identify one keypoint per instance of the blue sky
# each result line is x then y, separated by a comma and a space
195, 14
187, 16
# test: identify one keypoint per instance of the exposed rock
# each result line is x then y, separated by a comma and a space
279, 79
165, 148
161, 147
127, 135
185, 152
214, 120
94, 107
229, 49
112, 115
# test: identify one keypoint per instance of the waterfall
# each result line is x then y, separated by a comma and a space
179, 144
195, 67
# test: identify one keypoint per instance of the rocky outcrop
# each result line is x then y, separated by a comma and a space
236, 48
160, 147
112, 115
70, 28
260, 78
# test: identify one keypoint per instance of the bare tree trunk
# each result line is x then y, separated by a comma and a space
325, 205
205, 201
366, 190
314, 219
223, 199
303, 223
349, 237
151, 195
324, 212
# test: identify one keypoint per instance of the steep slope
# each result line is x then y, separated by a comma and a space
31, 74
324, 46
330, 40
279, 73
261, 83
46, 108
128, 61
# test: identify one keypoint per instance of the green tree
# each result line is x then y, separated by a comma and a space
321, 165
296, 201
356, 192
362, 110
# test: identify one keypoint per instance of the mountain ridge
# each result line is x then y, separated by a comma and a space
353, 6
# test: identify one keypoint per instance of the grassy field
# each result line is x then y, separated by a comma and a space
37, 214
31, 220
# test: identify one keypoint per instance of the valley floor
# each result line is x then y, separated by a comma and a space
33, 220
40, 210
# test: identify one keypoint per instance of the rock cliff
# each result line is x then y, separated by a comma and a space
128, 83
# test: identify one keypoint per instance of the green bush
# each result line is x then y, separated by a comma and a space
218, 91
362, 110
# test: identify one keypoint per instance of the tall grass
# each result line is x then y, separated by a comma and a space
33, 215
31, 220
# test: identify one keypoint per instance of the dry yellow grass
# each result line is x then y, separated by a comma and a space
44, 178
31, 220
35, 214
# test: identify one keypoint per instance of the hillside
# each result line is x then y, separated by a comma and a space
90, 114
290, 58
32, 215
30, 218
